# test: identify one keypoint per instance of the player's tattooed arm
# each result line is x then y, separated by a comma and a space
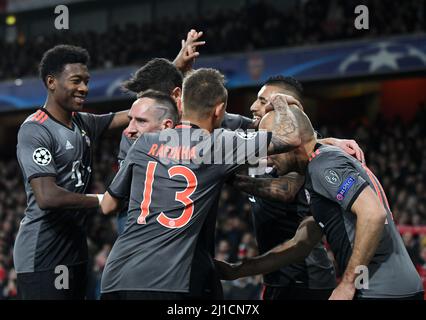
188, 52
120, 120
370, 222
292, 251
285, 135
283, 188
50, 196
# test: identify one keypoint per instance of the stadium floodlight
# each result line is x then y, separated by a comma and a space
10, 20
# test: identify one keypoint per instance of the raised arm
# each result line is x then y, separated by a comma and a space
285, 132
188, 52
50, 196
294, 250
371, 217
283, 188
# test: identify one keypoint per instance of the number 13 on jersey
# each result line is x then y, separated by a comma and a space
181, 196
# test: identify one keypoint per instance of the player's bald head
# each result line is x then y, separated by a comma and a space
307, 132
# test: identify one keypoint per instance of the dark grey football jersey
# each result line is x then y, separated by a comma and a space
125, 144
169, 203
47, 238
275, 222
233, 122
334, 181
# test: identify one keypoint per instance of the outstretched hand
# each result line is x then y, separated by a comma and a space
188, 52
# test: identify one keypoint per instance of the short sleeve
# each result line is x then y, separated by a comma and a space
97, 124
35, 151
336, 178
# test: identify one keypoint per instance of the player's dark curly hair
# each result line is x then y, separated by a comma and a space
288, 83
54, 59
158, 74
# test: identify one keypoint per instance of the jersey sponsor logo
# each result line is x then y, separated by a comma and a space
69, 146
345, 187
246, 135
332, 177
42, 156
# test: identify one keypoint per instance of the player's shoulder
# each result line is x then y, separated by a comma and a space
142, 143
233, 121
82, 118
125, 141
125, 144
36, 123
39, 117
327, 156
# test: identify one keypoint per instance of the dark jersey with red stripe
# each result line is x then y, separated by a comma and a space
46, 147
161, 248
334, 181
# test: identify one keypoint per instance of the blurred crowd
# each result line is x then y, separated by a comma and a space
257, 25
395, 151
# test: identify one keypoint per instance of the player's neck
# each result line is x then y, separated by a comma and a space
304, 153
202, 123
310, 147
60, 114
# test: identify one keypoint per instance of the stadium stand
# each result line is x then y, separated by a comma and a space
256, 25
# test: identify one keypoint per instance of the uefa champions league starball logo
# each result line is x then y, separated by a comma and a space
383, 56
42, 156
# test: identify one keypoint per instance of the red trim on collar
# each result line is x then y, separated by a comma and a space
314, 154
180, 126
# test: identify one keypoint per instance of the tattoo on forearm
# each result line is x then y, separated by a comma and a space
286, 131
281, 189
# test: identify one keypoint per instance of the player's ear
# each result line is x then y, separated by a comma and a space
167, 123
179, 105
176, 93
219, 109
51, 82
